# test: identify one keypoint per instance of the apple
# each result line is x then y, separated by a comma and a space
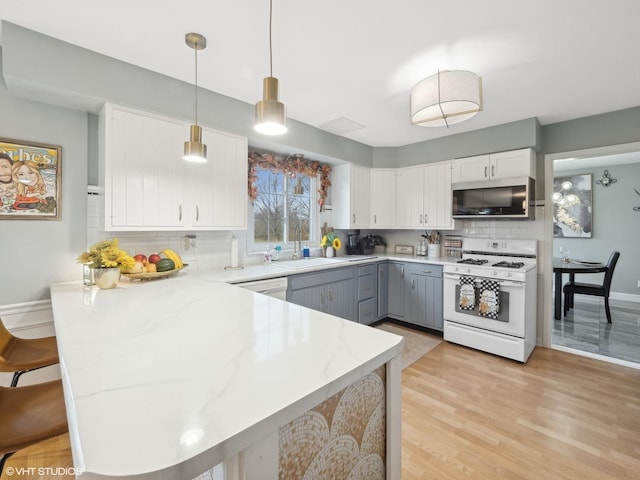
154, 258
140, 258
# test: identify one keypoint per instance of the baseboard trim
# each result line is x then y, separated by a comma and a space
26, 316
596, 356
626, 297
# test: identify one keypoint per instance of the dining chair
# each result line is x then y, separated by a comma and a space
51, 458
21, 355
572, 288
29, 415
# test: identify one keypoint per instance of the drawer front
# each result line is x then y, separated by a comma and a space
366, 270
366, 287
367, 311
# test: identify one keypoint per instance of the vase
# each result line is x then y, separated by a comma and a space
330, 252
106, 278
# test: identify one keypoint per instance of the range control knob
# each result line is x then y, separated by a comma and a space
508, 274
468, 270
494, 273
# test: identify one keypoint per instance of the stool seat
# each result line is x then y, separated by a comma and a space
30, 414
20, 355
53, 453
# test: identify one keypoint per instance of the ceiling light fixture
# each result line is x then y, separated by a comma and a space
194, 149
271, 118
446, 98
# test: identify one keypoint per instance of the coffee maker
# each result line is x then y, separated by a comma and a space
353, 243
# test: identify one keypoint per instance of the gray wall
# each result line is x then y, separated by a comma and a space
39, 252
615, 226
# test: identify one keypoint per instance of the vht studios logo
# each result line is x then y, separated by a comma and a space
36, 472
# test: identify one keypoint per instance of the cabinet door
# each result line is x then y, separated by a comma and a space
438, 198
314, 297
360, 194
350, 193
218, 188
516, 163
470, 169
143, 171
424, 300
383, 290
410, 197
383, 198
398, 283
341, 299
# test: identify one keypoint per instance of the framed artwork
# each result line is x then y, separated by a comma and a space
30, 180
572, 216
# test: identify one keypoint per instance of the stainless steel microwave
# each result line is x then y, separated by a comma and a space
504, 198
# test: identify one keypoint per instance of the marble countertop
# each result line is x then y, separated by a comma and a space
292, 267
166, 378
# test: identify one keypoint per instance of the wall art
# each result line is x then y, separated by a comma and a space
30, 180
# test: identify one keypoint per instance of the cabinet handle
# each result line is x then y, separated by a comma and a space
322, 298
331, 294
366, 289
413, 284
197, 213
493, 170
402, 272
180, 213
420, 219
368, 312
485, 171
426, 219
375, 218
426, 271
354, 218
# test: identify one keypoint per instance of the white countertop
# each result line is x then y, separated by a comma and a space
283, 269
165, 379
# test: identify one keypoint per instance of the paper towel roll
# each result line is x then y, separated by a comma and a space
234, 251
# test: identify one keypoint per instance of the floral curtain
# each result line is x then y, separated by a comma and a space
289, 165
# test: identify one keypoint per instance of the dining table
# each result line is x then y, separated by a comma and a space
561, 266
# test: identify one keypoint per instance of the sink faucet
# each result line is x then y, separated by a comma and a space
297, 238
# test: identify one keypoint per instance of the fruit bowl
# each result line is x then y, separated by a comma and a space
153, 275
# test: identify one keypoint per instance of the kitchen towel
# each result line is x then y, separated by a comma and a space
489, 305
467, 297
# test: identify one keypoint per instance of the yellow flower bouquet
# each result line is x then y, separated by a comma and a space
107, 254
331, 240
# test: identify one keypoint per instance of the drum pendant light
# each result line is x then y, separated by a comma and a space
194, 149
449, 97
271, 118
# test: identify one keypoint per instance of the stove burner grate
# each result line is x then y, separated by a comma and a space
473, 261
509, 264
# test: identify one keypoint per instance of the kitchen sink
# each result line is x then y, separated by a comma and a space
307, 262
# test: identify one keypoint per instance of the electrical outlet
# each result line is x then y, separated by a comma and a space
638, 283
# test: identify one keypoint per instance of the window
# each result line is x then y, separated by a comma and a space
284, 203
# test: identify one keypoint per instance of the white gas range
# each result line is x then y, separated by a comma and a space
490, 297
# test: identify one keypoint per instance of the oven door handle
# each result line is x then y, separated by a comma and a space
503, 283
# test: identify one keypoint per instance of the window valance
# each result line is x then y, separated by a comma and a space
290, 165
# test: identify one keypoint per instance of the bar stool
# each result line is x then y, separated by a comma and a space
21, 355
53, 453
29, 415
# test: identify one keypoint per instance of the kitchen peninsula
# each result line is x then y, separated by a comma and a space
166, 379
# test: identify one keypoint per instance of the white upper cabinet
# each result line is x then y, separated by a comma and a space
383, 198
148, 186
515, 163
350, 191
424, 197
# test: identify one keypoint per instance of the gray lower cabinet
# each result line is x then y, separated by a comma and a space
383, 290
424, 299
398, 283
330, 291
367, 293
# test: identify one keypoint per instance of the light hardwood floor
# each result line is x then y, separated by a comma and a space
471, 415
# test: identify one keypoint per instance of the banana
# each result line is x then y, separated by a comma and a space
173, 256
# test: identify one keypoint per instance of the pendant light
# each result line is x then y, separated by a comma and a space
449, 97
194, 149
271, 118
